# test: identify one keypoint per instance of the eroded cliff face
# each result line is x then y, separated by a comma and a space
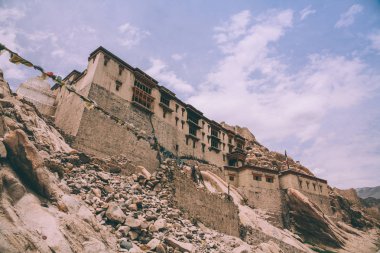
56, 199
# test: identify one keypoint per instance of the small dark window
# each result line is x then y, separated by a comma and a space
257, 178
314, 186
106, 60
118, 85
192, 130
176, 147
269, 179
194, 144
320, 188
176, 108
183, 123
231, 178
120, 70
183, 112
176, 121
203, 147
300, 183
307, 184
164, 114
165, 100
214, 143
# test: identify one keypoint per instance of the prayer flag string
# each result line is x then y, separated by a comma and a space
89, 103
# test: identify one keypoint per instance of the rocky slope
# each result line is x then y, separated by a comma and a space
369, 192
56, 199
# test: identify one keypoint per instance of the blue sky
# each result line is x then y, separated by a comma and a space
302, 75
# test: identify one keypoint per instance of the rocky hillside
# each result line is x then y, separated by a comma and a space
369, 192
56, 199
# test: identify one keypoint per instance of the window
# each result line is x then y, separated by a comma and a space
257, 177
307, 184
192, 130
176, 108
176, 147
118, 85
231, 178
214, 143
120, 70
165, 100
106, 60
269, 179
203, 124
203, 147
314, 186
224, 146
300, 183
143, 87
229, 140
320, 188
194, 144
183, 123
176, 121
142, 98
164, 114
214, 132
203, 136
183, 112
224, 158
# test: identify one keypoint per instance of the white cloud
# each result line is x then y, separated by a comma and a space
167, 77
131, 35
9, 14
252, 87
8, 37
304, 13
178, 57
348, 18
375, 41
234, 28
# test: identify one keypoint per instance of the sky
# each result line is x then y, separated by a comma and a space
303, 76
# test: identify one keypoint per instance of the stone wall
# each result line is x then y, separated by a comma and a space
212, 210
322, 201
100, 136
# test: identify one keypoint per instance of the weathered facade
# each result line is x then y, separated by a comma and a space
130, 94
37, 91
264, 188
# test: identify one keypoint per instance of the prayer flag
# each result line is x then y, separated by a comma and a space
16, 59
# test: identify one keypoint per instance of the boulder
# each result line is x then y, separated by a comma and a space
182, 246
26, 158
114, 213
152, 244
132, 222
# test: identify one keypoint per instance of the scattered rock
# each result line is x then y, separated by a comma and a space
114, 213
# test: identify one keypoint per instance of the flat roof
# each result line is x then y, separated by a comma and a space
293, 172
252, 167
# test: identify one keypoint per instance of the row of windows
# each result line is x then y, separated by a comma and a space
256, 178
259, 178
143, 87
300, 182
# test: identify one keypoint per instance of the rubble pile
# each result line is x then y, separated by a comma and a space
138, 209
260, 156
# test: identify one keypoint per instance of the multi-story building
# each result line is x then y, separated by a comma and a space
132, 95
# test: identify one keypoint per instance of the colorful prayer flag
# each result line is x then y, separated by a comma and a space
16, 59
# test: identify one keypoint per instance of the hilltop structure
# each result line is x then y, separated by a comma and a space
157, 116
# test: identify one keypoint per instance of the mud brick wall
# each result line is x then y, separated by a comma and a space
100, 136
212, 210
